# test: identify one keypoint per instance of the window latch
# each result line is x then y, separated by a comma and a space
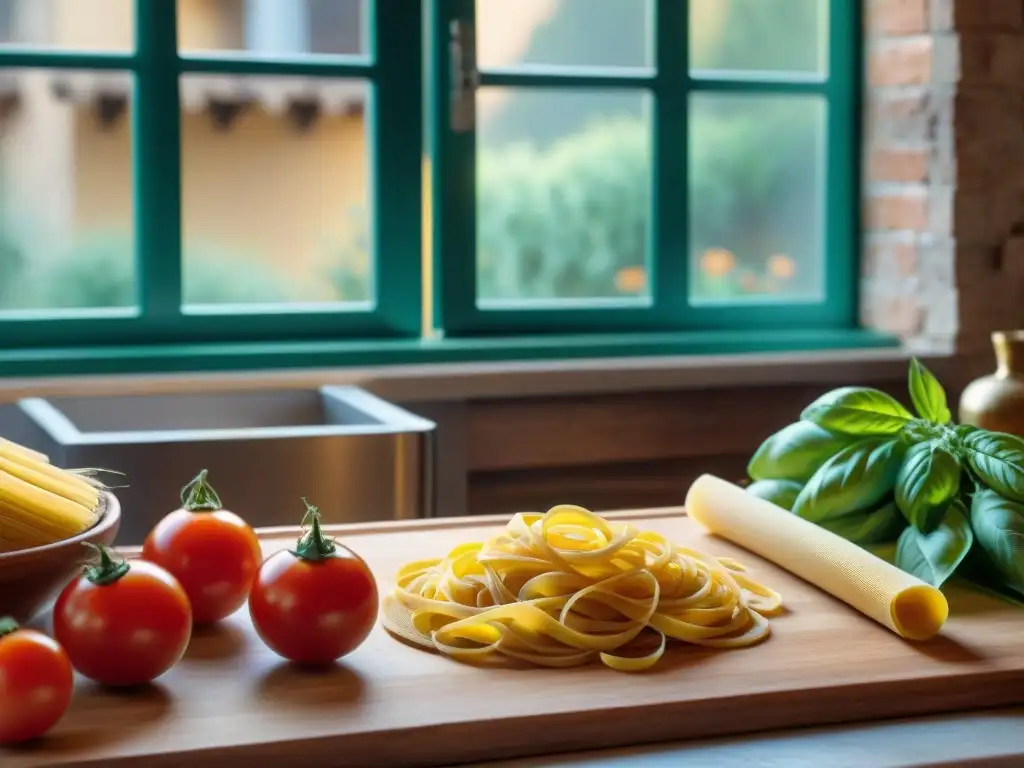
464, 76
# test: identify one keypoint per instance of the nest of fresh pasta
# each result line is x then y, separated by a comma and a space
568, 588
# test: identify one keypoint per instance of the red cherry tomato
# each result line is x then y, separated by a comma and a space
316, 603
36, 681
213, 553
123, 624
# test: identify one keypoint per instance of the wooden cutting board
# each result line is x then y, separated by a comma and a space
233, 702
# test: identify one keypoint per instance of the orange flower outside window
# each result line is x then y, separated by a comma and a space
717, 262
781, 266
631, 280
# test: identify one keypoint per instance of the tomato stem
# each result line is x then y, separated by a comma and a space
199, 496
8, 626
108, 570
313, 545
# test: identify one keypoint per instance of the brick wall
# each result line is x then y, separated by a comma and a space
944, 170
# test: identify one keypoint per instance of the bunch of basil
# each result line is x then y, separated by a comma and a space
951, 498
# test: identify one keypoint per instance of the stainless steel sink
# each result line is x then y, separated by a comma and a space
357, 457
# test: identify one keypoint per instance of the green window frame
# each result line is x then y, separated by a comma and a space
670, 84
392, 70
409, 97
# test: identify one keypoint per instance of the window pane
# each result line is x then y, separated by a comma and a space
94, 25
65, 191
582, 33
759, 35
273, 27
275, 176
563, 194
756, 197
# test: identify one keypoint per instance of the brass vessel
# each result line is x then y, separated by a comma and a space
996, 402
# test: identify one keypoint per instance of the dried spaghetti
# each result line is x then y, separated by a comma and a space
562, 588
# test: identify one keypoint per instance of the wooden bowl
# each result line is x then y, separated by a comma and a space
31, 578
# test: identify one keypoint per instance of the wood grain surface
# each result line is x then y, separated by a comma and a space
231, 702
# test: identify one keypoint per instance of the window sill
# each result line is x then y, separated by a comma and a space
457, 369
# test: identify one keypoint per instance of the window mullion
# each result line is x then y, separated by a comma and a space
453, 177
156, 160
670, 258
396, 160
842, 150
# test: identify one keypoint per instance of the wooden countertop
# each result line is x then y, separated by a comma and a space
232, 702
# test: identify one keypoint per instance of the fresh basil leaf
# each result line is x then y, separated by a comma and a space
979, 569
998, 525
795, 452
933, 557
781, 493
998, 460
858, 411
927, 395
927, 482
868, 528
856, 478
963, 430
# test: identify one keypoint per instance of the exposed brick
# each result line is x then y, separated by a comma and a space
897, 17
935, 267
904, 258
905, 115
899, 164
898, 314
941, 15
942, 319
869, 303
872, 260
944, 168
899, 209
941, 203
900, 61
946, 64
989, 14
890, 256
